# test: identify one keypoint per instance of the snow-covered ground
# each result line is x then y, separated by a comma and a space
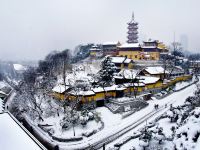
54, 123
115, 123
176, 98
182, 84
82, 72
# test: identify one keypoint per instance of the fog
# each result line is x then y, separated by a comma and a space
30, 29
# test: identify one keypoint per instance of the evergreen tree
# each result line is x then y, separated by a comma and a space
107, 72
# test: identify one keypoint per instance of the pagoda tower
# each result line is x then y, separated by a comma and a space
132, 31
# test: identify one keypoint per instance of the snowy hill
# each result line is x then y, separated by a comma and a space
19, 67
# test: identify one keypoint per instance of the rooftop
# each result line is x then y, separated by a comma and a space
110, 43
127, 74
95, 49
129, 45
149, 47
15, 136
60, 88
156, 70
83, 93
118, 59
150, 41
149, 79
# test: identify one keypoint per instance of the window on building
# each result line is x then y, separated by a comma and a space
135, 56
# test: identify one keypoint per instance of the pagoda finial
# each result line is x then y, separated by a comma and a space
133, 15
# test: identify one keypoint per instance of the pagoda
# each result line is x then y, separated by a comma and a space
132, 31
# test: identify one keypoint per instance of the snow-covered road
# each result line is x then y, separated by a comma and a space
111, 129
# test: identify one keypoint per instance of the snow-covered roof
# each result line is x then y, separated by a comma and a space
134, 84
150, 40
133, 22
19, 67
110, 88
110, 43
14, 136
127, 74
128, 60
128, 45
149, 79
114, 87
120, 88
3, 93
148, 46
95, 49
118, 59
82, 93
195, 61
60, 88
156, 70
98, 89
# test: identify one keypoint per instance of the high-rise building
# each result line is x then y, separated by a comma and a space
132, 31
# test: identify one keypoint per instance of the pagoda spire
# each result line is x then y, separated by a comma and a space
132, 31
133, 15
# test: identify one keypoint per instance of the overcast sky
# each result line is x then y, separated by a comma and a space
30, 29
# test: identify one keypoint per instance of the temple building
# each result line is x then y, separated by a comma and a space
96, 52
152, 49
110, 48
131, 51
148, 50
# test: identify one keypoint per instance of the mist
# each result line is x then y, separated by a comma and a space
29, 30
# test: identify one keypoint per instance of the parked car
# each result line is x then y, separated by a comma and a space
158, 94
164, 92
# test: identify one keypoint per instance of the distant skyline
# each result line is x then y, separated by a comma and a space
29, 30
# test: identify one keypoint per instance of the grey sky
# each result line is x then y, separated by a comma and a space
30, 29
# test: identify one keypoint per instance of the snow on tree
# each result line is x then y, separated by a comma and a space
145, 138
107, 71
160, 136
